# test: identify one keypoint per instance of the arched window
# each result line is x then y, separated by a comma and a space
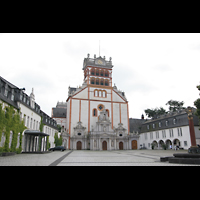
97, 72
94, 112
97, 81
104, 93
107, 112
106, 82
102, 73
106, 74
96, 93
100, 93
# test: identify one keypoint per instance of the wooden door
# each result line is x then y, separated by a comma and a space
79, 145
134, 144
104, 145
121, 146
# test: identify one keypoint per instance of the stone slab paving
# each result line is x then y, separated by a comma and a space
119, 158
92, 158
31, 159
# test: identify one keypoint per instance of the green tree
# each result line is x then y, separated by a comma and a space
155, 112
41, 124
59, 127
57, 141
175, 105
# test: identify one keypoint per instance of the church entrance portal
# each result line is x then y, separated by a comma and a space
121, 146
134, 144
79, 145
104, 145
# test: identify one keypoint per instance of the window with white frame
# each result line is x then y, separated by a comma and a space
151, 135
31, 123
34, 124
171, 134
180, 131
163, 133
28, 121
157, 134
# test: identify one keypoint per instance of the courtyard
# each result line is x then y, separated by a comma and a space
92, 158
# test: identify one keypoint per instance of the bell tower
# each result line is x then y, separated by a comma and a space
97, 71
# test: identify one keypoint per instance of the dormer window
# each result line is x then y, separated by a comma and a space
6, 90
12, 95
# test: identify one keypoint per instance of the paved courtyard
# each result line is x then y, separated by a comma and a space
92, 158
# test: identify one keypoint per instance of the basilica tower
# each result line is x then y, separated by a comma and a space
91, 103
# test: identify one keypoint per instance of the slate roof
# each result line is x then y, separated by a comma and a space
59, 112
175, 119
135, 125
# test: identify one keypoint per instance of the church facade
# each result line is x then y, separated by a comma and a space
97, 112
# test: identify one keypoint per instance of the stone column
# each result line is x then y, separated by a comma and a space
193, 148
33, 142
46, 143
191, 125
109, 141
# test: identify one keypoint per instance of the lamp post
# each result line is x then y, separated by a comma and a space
193, 148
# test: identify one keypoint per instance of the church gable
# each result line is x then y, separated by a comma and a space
117, 97
82, 94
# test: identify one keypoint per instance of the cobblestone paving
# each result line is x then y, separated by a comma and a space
92, 158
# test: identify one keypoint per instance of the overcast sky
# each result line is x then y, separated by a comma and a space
150, 68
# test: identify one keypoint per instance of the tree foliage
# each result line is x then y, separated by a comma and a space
175, 105
155, 112
10, 122
57, 141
